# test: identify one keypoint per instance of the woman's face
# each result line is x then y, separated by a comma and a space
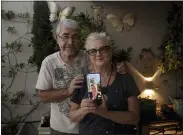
93, 88
100, 58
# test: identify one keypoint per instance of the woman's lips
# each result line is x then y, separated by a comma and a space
99, 59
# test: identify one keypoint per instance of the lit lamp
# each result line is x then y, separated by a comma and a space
149, 85
149, 89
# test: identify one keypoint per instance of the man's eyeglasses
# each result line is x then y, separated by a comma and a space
66, 38
102, 50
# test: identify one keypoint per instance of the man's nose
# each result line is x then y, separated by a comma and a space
70, 40
98, 53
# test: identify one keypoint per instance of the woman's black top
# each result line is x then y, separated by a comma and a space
117, 94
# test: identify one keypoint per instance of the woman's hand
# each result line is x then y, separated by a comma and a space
102, 109
87, 106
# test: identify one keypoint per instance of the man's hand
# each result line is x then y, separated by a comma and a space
76, 83
121, 68
87, 106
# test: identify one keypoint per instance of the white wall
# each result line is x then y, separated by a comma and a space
148, 31
21, 28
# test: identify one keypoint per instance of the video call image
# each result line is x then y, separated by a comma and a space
93, 82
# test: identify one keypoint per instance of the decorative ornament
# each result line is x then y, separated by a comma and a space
56, 14
127, 21
66, 12
147, 62
54, 9
97, 9
119, 24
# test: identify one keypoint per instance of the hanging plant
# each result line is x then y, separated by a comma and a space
172, 48
88, 24
122, 55
171, 59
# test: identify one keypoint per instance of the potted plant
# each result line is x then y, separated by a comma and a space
171, 61
147, 113
13, 127
44, 126
147, 110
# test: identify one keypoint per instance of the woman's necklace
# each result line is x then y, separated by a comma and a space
105, 89
106, 82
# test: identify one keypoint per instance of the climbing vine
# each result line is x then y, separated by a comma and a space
11, 68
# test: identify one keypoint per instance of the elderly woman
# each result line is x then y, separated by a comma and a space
119, 111
94, 91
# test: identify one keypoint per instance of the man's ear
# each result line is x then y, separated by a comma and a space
56, 37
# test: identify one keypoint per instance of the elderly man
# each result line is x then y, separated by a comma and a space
57, 70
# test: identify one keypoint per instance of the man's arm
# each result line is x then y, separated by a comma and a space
47, 96
121, 67
45, 88
52, 95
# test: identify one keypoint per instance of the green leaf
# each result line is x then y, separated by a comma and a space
29, 45
12, 72
22, 65
3, 59
7, 45
11, 29
10, 14
2, 85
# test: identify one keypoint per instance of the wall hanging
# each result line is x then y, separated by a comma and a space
126, 22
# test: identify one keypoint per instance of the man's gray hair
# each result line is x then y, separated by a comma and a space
98, 36
69, 23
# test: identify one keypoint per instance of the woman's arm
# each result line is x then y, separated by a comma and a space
126, 117
77, 112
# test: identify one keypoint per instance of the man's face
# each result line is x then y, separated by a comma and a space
68, 40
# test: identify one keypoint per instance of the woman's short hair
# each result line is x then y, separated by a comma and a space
98, 36
69, 23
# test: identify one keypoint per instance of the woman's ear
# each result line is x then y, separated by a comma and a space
112, 49
111, 52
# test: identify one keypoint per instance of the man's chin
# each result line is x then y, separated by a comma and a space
68, 52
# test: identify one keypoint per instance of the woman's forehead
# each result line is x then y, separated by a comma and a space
96, 43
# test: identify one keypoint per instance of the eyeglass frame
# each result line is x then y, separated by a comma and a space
99, 50
66, 40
